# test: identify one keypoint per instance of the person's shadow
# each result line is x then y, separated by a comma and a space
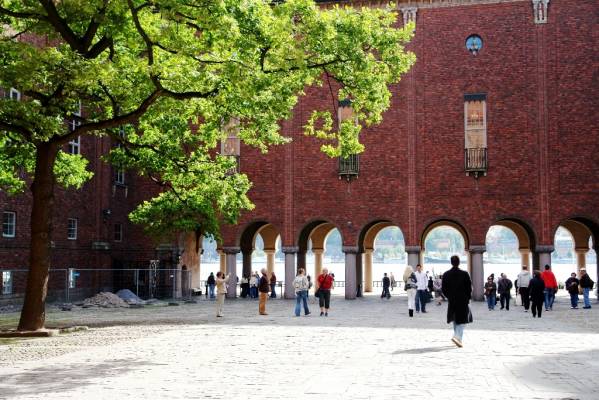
422, 350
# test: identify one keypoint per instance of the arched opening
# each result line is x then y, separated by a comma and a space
574, 248
442, 241
508, 246
383, 248
320, 245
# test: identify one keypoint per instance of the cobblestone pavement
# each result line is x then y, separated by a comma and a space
366, 349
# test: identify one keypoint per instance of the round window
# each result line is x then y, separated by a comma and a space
474, 44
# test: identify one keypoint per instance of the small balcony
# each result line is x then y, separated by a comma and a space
349, 167
476, 161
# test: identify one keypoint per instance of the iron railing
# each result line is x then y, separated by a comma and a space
349, 167
476, 161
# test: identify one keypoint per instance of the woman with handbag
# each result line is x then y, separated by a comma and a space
410, 280
323, 291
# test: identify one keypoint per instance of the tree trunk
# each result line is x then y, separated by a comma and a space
33, 315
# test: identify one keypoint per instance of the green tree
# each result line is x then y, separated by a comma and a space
148, 68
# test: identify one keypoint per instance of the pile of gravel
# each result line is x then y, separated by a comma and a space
129, 297
106, 300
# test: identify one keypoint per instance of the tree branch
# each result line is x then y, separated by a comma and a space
5, 126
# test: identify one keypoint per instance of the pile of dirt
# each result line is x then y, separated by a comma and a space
129, 297
106, 300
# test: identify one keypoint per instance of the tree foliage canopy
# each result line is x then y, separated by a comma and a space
162, 78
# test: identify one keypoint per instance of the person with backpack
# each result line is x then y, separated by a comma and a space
504, 288
572, 288
301, 286
586, 283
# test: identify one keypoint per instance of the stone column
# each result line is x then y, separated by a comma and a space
246, 268
413, 256
581, 258
223, 260
477, 274
231, 270
351, 253
359, 275
317, 262
290, 253
368, 270
544, 254
525, 256
270, 260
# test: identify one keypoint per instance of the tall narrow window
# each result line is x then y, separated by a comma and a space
75, 144
349, 167
231, 145
6, 282
73, 274
9, 222
14, 94
118, 232
72, 229
119, 176
475, 126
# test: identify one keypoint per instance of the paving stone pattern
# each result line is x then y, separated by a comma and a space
365, 349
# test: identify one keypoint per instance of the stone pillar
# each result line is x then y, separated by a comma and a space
223, 260
525, 256
368, 270
413, 256
231, 270
270, 260
581, 257
477, 271
351, 253
359, 275
301, 260
290, 271
317, 262
544, 255
246, 268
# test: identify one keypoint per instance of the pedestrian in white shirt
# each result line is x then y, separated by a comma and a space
421, 289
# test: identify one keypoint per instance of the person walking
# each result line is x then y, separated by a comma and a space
393, 281
586, 283
325, 284
386, 284
504, 288
522, 282
221, 289
301, 286
309, 286
410, 284
211, 282
273, 285
263, 288
491, 293
457, 287
572, 288
536, 288
550, 287
439, 296
422, 285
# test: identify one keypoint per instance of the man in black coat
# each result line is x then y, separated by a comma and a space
457, 287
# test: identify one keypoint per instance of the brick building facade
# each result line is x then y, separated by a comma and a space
536, 76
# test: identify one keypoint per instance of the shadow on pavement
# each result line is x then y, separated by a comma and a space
422, 350
58, 378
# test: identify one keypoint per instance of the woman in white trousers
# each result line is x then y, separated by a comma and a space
410, 284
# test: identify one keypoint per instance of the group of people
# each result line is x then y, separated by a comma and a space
249, 285
537, 290
263, 287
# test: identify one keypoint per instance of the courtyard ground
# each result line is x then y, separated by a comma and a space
366, 349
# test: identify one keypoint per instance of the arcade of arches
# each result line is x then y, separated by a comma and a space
358, 259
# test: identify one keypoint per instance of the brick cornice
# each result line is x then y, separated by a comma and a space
401, 4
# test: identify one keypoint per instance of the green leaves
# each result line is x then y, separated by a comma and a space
173, 73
